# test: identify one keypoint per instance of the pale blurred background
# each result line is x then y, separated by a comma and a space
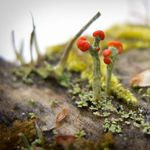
58, 20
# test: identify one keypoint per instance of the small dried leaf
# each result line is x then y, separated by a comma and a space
61, 115
142, 79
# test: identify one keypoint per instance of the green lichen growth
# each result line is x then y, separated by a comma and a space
111, 126
116, 115
83, 98
145, 94
80, 134
146, 128
31, 115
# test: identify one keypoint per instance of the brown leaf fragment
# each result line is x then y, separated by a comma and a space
142, 79
61, 116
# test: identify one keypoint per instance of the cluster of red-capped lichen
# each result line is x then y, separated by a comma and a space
108, 52
109, 55
84, 45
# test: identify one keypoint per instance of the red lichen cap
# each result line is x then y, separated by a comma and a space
82, 38
99, 33
107, 52
116, 44
107, 60
120, 49
83, 45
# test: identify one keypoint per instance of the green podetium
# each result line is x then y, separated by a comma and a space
110, 55
84, 46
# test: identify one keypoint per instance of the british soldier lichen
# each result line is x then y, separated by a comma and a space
110, 55
93, 49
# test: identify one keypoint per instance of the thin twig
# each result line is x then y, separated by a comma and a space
70, 44
31, 46
21, 48
13, 41
35, 38
19, 55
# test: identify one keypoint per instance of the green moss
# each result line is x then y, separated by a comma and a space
81, 63
122, 93
129, 32
53, 51
133, 37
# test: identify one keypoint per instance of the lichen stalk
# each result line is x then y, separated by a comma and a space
108, 79
96, 76
96, 85
110, 65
